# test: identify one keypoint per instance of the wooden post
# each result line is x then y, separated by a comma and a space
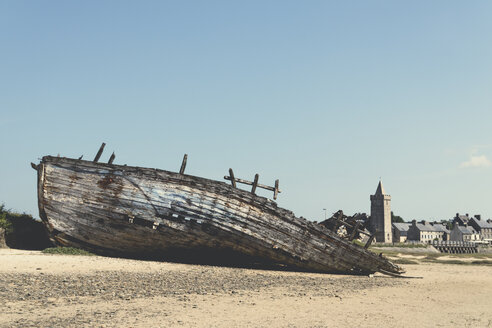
233, 180
352, 236
369, 242
111, 159
338, 218
335, 227
183, 164
275, 192
255, 183
99, 153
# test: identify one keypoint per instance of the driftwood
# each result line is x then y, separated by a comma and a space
131, 210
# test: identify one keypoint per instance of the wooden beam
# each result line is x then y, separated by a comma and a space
352, 236
369, 242
233, 181
183, 164
336, 226
276, 191
255, 183
111, 159
99, 153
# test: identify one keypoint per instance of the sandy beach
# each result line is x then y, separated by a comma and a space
41, 290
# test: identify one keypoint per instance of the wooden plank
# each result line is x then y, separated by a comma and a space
231, 175
336, 226
99, 153
183, 164
111, 159
352, 236
369, 242
255, 183
276, 191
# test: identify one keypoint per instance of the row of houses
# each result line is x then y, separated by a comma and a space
464, 228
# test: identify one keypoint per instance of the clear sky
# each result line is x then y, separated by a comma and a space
326, 96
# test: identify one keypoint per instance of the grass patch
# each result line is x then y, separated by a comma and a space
356, 242
402, 245
66, 251
404, 261
457, 261
471, 255
485, 262
385, 253
394, 253
448, 262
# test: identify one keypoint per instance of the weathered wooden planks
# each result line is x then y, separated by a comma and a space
136, 210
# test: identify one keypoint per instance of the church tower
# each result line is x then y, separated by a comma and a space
381, 215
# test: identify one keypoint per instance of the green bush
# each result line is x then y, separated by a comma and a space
5, 224
22, 231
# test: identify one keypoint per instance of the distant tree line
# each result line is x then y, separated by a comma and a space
396, 218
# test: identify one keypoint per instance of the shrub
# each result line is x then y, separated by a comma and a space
5, 224
22, 230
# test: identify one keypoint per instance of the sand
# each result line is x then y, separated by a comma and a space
40, 290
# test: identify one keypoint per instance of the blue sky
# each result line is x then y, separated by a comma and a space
325, 96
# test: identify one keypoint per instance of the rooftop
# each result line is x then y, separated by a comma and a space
481, 223
440, 227
427, 226
402, 226
466, 230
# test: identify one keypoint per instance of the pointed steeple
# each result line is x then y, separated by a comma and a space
381, 215
380, 190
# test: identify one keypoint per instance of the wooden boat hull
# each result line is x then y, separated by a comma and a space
131, 210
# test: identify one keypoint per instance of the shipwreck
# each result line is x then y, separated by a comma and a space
120, 209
